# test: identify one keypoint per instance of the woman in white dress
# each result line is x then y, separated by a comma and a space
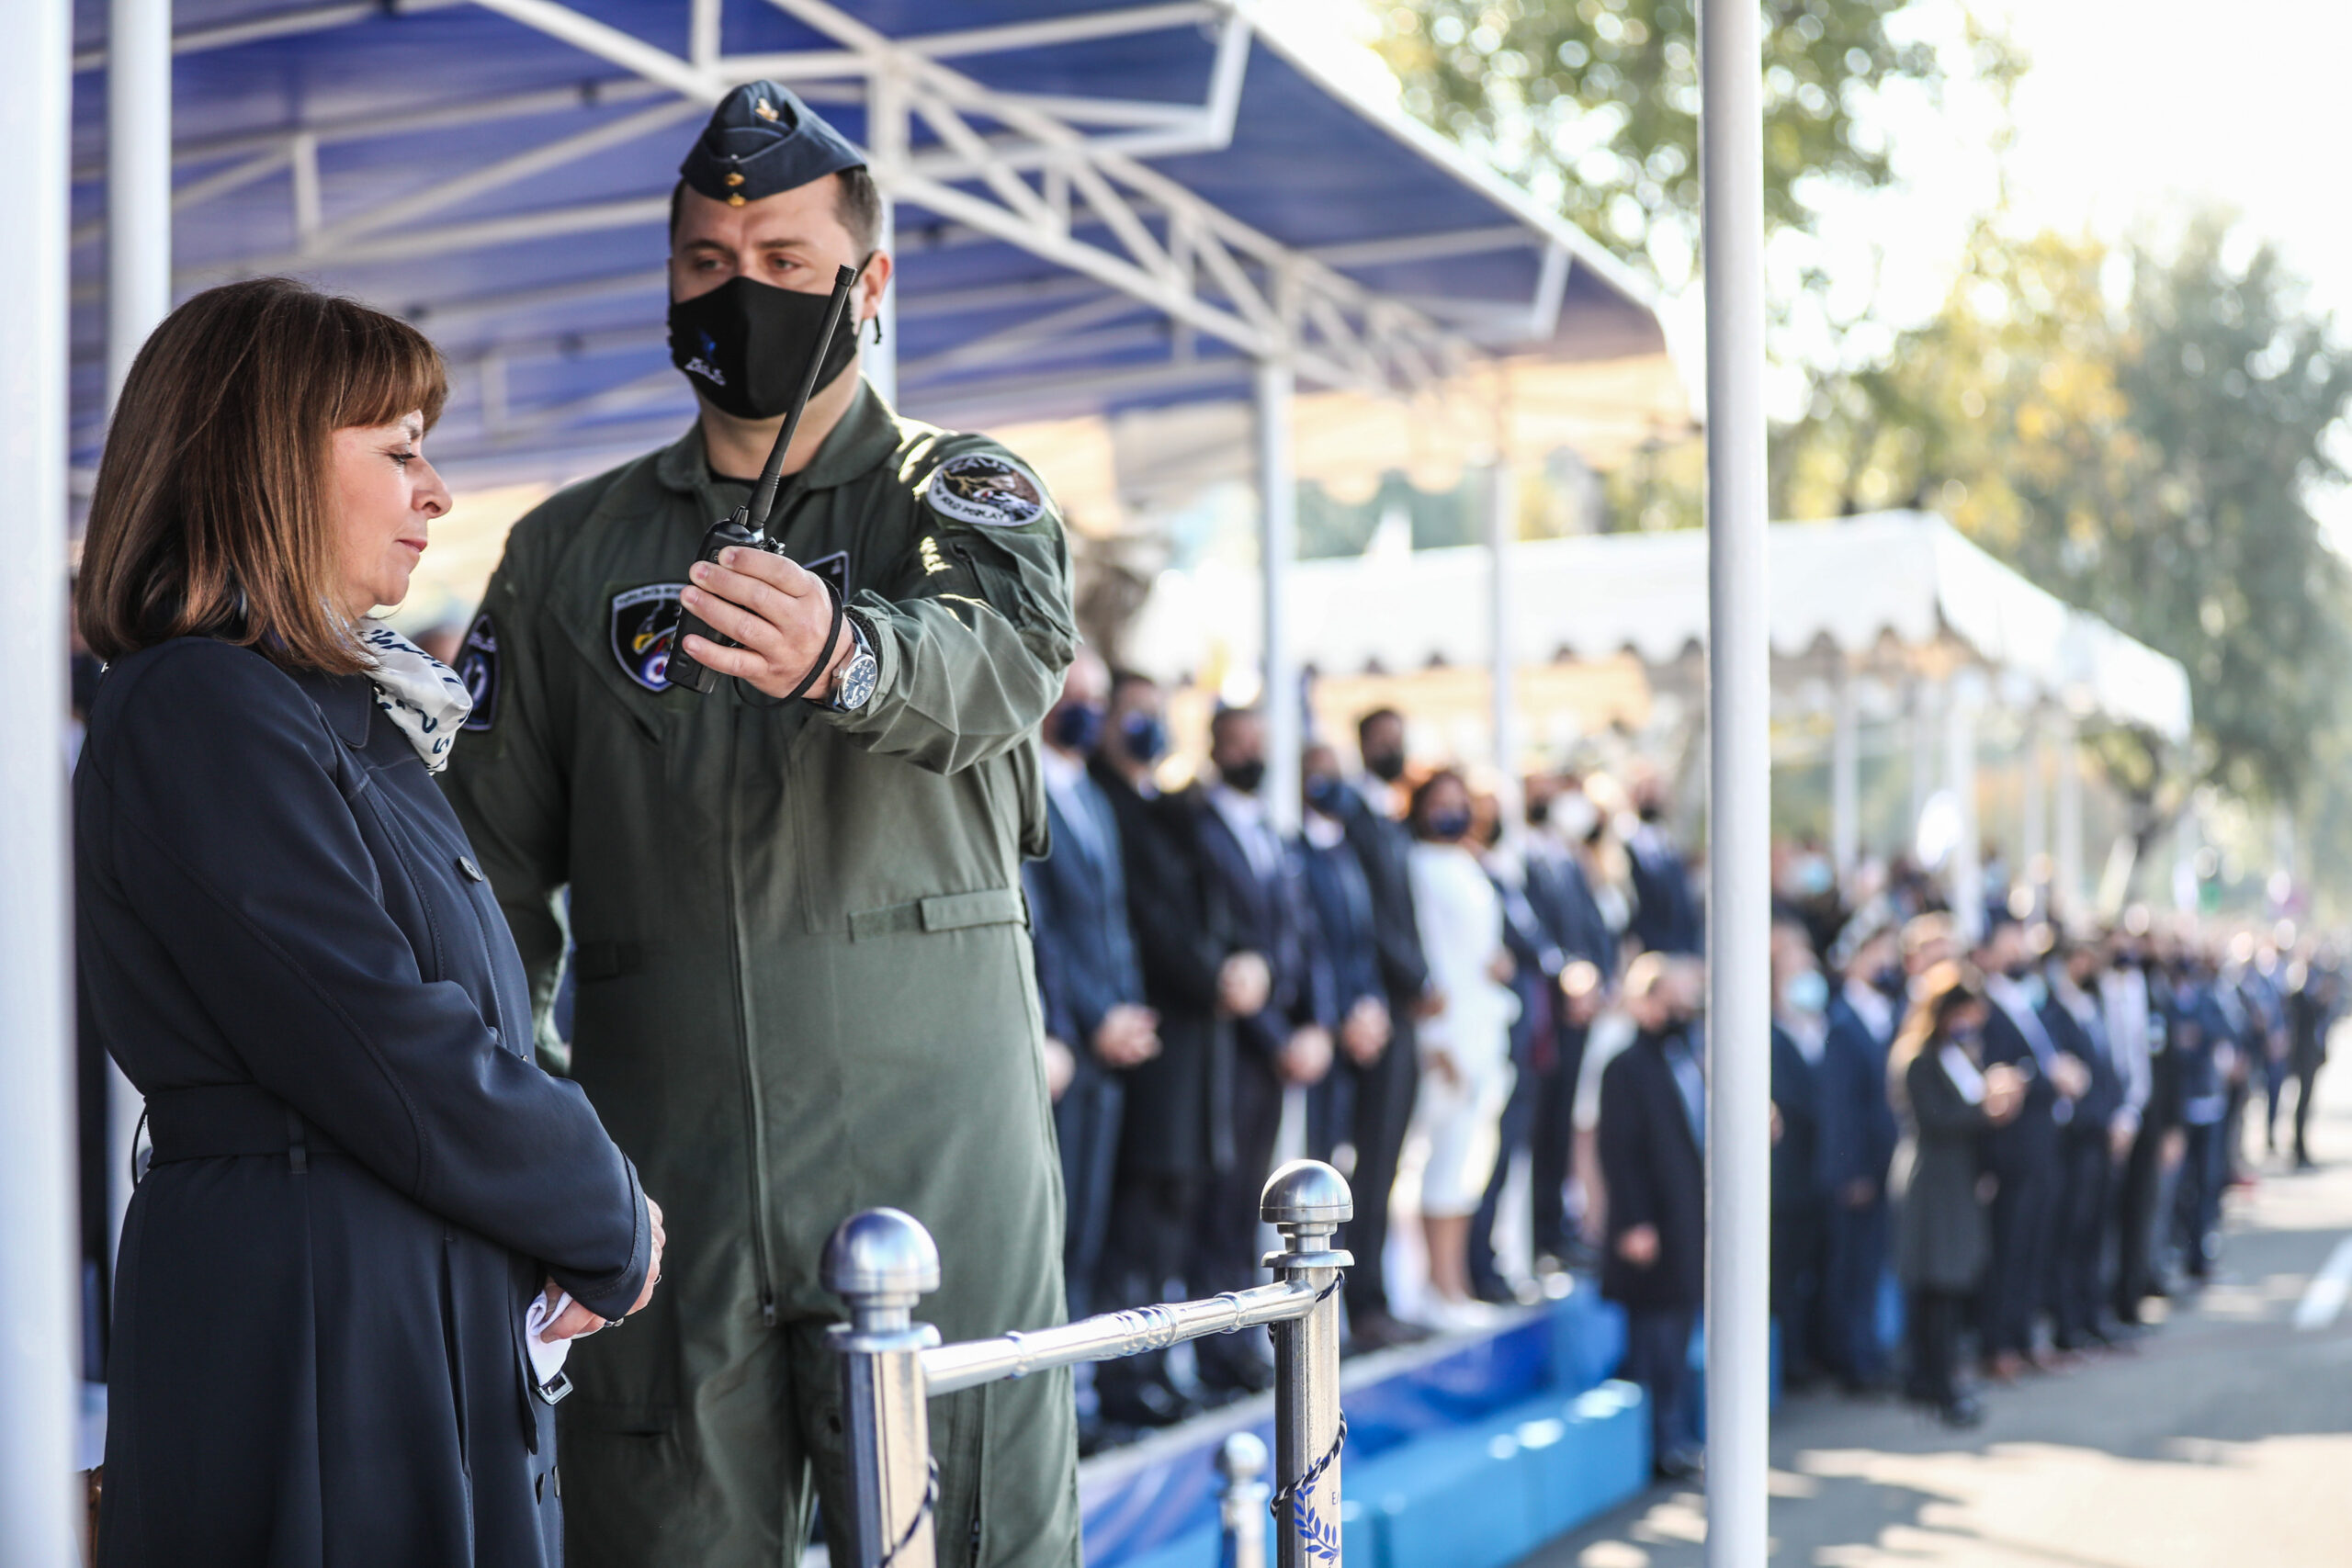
1465, 1040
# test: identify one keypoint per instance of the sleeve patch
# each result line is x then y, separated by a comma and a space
478, 667
987, 489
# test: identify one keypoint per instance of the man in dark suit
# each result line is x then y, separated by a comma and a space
1372, 813
1807, 1121
1564, 826
1667, 918
2094, 1142
2024, 1155
1176, 1128
1859, 1139
1350, 947
1651, 1135
1088, 978
1286, 1040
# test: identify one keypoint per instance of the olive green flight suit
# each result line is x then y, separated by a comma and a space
805, 984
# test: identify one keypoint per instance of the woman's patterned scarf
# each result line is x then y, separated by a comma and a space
423, 696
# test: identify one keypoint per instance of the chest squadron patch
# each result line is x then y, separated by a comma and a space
478, 667
987, 489
644, 623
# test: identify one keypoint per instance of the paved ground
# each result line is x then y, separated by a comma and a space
2226, 1439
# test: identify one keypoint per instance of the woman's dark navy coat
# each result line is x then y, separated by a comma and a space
360, 1175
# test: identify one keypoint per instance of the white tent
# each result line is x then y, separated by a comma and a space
1906, 577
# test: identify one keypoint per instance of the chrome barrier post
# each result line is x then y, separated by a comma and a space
1241, 1502
882, 1262
1307, 1202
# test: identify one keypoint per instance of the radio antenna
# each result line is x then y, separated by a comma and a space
763, 498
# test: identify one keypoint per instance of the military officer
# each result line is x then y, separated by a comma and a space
805, 984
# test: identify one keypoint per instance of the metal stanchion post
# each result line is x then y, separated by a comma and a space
882, 1262
1307, 1202
1242, 1504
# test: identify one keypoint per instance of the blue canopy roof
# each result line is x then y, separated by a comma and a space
1098, 206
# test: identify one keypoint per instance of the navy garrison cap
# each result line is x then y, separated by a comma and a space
762, 139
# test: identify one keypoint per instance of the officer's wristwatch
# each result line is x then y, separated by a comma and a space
854, 684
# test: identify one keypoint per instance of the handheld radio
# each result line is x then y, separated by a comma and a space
747, 524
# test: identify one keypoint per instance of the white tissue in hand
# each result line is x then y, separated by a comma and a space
547, 1359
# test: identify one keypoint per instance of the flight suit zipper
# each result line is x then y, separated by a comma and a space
754, 1123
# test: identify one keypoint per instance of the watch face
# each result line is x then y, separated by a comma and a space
857, 680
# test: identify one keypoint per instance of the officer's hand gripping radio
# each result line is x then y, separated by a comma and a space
747, 526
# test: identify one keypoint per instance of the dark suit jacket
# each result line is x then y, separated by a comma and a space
1177, 1119
1655, 1174
1562, 896
2100, 1103
1349, 944
1946, 1235
1383, 845
1796, 1159
282, 929
1077, 920
1666, 907
1268, 917
2025, 1147
1858, 1131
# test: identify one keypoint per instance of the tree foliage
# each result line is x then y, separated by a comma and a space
1597, 101
2141, 432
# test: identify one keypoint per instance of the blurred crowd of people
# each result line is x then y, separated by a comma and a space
2008, 1142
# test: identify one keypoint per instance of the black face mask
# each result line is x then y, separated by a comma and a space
745, 345
1385, 766
1246, 776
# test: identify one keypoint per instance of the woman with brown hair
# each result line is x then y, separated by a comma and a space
371, 1220
1949, 1099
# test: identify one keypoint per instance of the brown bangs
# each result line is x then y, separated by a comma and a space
212, 515
389, 371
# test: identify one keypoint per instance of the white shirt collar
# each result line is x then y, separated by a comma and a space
1062, 770
1871, 1006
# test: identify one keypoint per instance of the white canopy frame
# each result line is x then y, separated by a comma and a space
1058, 176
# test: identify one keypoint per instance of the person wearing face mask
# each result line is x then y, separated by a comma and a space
1667, 915
2024, 1154
1951, 1099
1281, 1033
1809, 1123
1859, 1135
803, 965
1563, 825
1342, 899
2094, 1144
1175, 1130
1097, 1028
1464, 1041
1650, 1136
1372, 812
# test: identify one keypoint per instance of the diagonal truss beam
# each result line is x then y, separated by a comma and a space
1060, 177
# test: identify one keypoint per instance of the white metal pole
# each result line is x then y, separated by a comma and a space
1277, 546
139, 295
139, 179
1846, 778
2033, 844
1967, 882
2067, 884
1502, 536
1739, 775
38, 1343
1923, 749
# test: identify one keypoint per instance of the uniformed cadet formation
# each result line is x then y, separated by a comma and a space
911, 909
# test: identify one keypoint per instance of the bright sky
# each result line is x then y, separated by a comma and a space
2132, 114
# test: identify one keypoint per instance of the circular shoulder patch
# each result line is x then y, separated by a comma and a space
987, 489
